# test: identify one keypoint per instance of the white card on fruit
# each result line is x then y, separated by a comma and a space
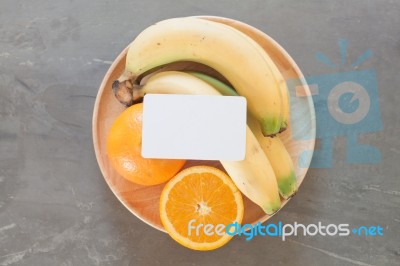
194, 127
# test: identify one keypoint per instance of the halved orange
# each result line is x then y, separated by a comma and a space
197, 205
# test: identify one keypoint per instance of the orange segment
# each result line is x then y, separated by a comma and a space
124, 145
196, 197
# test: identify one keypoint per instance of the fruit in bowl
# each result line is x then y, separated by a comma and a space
244, 68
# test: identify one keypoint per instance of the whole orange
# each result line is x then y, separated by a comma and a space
124, 145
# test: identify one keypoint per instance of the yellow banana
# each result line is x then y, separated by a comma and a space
219, 46
276, 152
254, 175
279, 158
252, 36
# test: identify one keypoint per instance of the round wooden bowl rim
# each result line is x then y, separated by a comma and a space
112, 69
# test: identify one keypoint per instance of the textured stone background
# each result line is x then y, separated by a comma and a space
56, 209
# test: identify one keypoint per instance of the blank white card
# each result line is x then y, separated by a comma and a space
194, 127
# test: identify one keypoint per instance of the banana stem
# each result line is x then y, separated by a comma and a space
126, 90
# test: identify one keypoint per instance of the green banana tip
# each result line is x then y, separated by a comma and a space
283, 126
287, 185
272, 208
270, 126
289, 194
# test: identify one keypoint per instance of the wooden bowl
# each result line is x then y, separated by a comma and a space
143, 201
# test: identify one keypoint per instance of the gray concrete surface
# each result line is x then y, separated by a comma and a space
56, 209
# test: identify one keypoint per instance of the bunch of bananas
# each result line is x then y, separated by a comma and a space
267, 170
